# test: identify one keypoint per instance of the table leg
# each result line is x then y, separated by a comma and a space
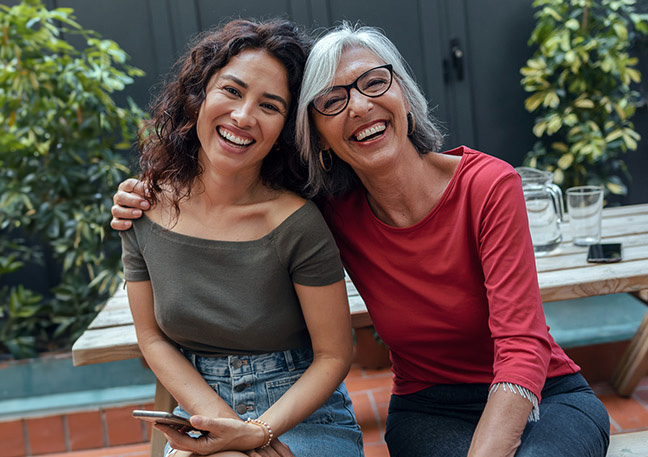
163, 402
634, 363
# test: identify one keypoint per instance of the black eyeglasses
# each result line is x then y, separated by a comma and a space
372, 83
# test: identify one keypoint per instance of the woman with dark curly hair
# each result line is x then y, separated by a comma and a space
235, 283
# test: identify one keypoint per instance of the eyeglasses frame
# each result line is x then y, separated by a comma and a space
354, 85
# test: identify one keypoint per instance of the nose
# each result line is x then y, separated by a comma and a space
243, 114
359, 104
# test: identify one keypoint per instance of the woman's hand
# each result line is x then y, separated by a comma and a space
222, 435
128, 202
276, 449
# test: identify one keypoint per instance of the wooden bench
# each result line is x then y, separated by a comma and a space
633, 444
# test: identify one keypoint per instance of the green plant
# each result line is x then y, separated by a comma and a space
580, 81
60, 139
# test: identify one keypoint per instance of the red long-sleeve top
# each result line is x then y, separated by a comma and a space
455, 296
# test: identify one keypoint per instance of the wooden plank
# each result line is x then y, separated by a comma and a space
359, 314
624, 225
112, 318
106, 345
633, 444
625, 210
634, 248
115, 312
610, 227
611, 230
629, 276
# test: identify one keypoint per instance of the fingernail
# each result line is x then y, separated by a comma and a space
137, 212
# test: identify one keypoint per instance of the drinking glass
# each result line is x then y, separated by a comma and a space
585, 205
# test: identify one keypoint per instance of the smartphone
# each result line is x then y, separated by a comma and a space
162, 417
604, 253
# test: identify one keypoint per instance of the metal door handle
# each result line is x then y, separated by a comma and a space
457, 56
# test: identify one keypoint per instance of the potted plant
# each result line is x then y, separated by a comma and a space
62, 143
580, 83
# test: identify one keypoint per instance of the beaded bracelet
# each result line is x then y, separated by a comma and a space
266, 428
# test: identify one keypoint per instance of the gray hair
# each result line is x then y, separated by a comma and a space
319, 74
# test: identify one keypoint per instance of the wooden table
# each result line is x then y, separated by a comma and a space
562, 274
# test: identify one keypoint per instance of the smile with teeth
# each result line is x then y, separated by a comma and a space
377, 128
233, 138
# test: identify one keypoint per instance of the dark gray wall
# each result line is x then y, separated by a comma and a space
484, 109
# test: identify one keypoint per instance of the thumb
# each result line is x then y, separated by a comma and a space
200, 422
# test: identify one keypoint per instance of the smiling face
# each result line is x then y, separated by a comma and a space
370, 132
245, 109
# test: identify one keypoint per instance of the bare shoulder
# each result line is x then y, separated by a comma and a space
161, 211
281, 207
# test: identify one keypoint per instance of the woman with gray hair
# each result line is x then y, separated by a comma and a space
438, 245
426, 135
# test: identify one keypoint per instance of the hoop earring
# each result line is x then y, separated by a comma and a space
411, 123
329, 160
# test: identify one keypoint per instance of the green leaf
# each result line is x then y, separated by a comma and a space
565, 161
572, 24
584, 103
629, 141
539, 129
614, 135
620, 30
552, 12
551, 99
59, 163
534, 101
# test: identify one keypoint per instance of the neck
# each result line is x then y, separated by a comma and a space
223, 190
405, 194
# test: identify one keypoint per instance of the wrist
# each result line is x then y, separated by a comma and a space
267, 431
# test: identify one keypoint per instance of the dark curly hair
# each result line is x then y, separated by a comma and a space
169, 143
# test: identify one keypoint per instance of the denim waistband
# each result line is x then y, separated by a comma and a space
289, 360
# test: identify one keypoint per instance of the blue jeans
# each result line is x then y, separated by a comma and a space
440, 421
251, 384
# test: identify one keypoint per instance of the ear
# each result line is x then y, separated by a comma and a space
408, 108
322, 143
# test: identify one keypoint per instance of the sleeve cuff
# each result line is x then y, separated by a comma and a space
524, 392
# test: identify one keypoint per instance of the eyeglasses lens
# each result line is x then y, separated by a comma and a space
373, 83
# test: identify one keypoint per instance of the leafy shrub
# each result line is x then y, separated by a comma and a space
580, 81
61, 135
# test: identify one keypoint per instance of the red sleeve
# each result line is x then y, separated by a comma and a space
517, 323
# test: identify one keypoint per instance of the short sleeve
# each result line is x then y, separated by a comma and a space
134, 264
307, 248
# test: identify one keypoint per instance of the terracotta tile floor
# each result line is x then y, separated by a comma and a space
369, 390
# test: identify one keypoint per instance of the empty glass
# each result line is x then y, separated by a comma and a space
585, 205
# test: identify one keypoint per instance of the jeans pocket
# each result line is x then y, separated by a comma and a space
276, 388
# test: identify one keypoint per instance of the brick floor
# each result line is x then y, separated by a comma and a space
369, 390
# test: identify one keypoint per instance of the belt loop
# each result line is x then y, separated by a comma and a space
289, 360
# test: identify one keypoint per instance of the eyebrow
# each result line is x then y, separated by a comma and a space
244, 85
